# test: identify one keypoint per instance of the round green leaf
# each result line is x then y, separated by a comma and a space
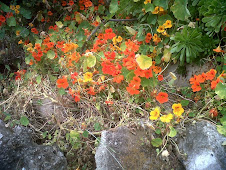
156, 142
173, 132
144, 61
51, 54
24, 121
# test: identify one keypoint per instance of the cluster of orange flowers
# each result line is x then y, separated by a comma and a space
202, 78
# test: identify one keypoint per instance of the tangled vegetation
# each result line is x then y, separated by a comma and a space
100, 64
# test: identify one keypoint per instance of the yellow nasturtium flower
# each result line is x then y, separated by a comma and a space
167, 24
119, 39
17, 6
17, 32
114, 40
155, 114
12, 7
161, 29
156, 11
166, 118
88, 76
177, 109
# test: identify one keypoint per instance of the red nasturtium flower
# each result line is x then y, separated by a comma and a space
62, 83
162, 97
91, 91
160, 77
34, 30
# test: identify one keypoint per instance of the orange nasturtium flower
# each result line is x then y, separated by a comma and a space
162, 97
214, 83
147, 1
177, 109
218, 49
196, 86
211, 74
201, 78
62, 83
155, 114
166, 118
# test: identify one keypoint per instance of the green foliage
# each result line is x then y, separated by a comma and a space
188, 45
213, 12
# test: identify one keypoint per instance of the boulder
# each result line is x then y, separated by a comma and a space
17, 151
120, 149
203, 147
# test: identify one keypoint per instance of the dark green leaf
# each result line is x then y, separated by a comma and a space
184, 102
149, 7
26, 13
11, 22
4, 7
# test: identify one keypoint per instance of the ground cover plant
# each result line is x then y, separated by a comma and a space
102, 62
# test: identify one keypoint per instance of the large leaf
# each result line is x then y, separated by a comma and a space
91, 61
180, 9
51, 54
144, 62
220, 90
11, 22
130, 30
173, 132
113, 6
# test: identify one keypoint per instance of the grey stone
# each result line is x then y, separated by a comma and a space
191, 70
121, 149
17, 151
203, 147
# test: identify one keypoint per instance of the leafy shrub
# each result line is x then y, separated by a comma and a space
213, 12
